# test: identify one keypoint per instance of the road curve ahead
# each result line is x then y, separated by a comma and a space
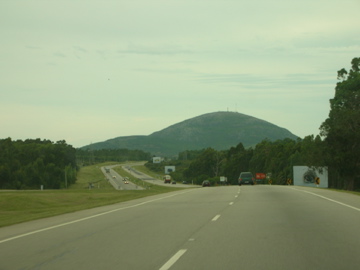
247, 227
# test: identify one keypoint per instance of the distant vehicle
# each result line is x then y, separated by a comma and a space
126, 182
173, 182
167, 179
184, 182
114, 176
206, 183
107, 170
125, 179
246, 178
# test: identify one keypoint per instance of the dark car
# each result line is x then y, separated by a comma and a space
206, 183
246, 178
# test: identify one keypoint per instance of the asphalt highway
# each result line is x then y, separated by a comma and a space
117, 180
149, 179
247, 227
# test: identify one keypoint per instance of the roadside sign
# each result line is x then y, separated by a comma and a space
260, 175
223, 179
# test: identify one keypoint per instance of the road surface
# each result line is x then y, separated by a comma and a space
247, 227
149, 179
117, 180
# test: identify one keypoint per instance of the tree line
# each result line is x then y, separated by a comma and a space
31, 164
275, 158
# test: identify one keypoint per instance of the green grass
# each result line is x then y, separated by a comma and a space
92, 174
145, 170
22, 206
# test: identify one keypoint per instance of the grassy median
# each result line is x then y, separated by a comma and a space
21, 206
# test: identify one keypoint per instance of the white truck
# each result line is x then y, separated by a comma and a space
167, 179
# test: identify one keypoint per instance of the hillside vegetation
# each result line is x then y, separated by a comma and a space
218, 130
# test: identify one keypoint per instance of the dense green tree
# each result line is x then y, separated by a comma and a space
342, 128
237, 160
262, 155
189, 154
32, 163
274, 158
313, 152
208, 164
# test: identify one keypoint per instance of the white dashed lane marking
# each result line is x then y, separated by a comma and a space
215, 218
173, 259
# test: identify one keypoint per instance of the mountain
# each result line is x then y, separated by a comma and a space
219, 130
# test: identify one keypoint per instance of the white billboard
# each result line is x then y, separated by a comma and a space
169, 169
223, 179
307, 176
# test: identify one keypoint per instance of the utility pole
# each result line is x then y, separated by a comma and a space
65, 179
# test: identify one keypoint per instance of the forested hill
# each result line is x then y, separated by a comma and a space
218, 130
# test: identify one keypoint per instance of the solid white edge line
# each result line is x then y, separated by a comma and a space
90, 217
173, 259
331, 200
215, 218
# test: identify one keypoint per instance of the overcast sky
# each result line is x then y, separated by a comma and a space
92, 70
